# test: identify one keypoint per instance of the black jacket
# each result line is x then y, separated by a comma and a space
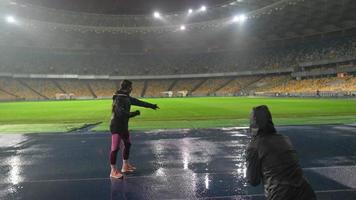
121, 111
272, 160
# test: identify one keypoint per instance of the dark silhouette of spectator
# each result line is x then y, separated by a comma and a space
272, 160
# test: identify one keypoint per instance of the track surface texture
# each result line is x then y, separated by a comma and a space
174, 164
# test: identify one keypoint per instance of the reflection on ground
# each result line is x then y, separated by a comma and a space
178, 164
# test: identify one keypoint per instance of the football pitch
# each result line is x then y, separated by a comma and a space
174, 113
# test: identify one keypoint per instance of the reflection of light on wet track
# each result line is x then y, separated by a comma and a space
186, 146
160, 172
207, 181
239, 146
14, 163
158, 151
14, 175
237, 131
12, 140
238, 134
15, 170
188, 164
235, 128
185, 152
168, 131
242, 171
185, 160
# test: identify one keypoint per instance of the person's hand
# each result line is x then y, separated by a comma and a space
155, 107
137, 113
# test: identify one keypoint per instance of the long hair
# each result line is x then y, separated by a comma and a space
125, 86
263, 120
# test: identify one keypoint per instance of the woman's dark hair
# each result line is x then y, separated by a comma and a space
124, 87
125, 84
263, 120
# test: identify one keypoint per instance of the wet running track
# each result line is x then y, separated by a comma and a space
179, 164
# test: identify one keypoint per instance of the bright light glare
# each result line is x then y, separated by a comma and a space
182, 27
190, 11
203, 8
10, 19
156, 15
240, 18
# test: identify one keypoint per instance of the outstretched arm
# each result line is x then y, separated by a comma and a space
140, 103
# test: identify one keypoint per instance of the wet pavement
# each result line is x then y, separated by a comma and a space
179, 164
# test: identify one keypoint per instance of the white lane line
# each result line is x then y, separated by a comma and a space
337, 190
331, 167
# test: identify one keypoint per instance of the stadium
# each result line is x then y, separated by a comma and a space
206, 64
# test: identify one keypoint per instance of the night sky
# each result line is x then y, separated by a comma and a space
125, 6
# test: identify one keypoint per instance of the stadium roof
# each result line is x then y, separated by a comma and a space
123, 7
215, 7
268, 20
310, 17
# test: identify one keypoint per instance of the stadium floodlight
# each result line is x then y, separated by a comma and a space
240, 18
156, 15
190, 11
10, 19
203, 8
182, 27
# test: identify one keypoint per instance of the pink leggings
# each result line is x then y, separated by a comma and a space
115, 142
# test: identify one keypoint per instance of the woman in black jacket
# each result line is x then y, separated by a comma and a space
121, 105
272, 160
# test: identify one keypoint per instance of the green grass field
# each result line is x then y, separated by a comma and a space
64, 116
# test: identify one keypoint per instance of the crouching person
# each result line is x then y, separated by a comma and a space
272, 160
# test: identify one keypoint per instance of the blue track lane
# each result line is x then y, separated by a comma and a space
177, 164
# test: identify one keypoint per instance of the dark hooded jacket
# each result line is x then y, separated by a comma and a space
122, 102
272, 160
